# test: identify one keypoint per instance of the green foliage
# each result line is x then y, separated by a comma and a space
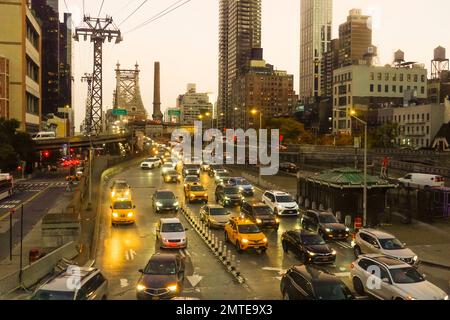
383, 136
15, 146
292, 130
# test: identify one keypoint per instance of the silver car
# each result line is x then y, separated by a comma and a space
387, 278
215, 215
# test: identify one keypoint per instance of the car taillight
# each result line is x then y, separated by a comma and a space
352, 266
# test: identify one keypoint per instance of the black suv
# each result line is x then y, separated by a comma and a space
288, 167
228, 195
325, 224
309, 283
310, 247
162, 278
260, 214
165, 200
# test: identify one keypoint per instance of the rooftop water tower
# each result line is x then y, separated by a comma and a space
439, 64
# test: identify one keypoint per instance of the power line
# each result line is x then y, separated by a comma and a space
161, 14
140, 6
101, 8
123, 8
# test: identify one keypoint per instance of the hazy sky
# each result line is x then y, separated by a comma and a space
186, 40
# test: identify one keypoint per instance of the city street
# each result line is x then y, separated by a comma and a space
124, 250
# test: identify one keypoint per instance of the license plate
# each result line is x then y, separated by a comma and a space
155, 298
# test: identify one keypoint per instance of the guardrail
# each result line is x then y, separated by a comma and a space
35, 272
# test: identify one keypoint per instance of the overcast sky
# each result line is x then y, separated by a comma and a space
186, 40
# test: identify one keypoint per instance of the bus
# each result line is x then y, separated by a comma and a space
6, 185
44, 136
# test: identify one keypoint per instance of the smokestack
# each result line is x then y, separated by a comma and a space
157, 114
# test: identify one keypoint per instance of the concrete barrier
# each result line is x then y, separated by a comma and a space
35, 272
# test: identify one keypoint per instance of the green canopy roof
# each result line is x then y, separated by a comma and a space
348, 177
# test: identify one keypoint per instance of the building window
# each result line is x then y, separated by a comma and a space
32, 70
379, 77
394, 88
428, 117
386, 77
32, 104
401, 76
422, 78
386, 88
416, 78
401, 89
422, 90
408, 77
349, 88
371, 88
379, 88
394, 77
372, 76
32, 35
428, 129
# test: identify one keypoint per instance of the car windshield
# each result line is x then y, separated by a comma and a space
231, 190
172, 172
197, 188
172, 227
218, 212
312, 240
223, 175
168, 166
391, 244
284, 199
53, 295
406, 275
120, 185
191, 179
122, 205
263, 211
249, 229
332, 291
327, 218
165, 195
216, 167
161, 268
242, 182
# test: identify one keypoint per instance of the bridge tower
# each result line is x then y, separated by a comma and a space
128, 94
99, 30
88, 117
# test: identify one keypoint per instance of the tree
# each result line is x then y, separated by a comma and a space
383, 136
292, 130
15, 146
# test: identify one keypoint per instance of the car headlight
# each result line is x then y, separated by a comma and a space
333, 252
410, 298
176, 204
159, 204
141, 287
258, 221
173, 288
277, 220
415, 258
227, 198
347, 229
130, 214
245, 241
205, 195
241, 189
113, 194
127, 193
265, 240
198, 171
115, 215
312, 254
446, 298
328, 230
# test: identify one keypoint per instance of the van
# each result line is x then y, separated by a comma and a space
421, 180
44, 136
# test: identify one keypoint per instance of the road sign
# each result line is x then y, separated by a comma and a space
174, 113
119, 112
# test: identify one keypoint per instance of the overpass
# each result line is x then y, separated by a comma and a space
81, 141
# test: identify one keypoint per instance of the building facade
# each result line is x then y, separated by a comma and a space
239, 33
263, 90
316, 19
194, 106
363, 87
4, 88
418, 125
20, 42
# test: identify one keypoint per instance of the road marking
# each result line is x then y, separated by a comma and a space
272, 269
342, 274
26, 202
130, 254
194, 280
343, 244
124, 283
181, 251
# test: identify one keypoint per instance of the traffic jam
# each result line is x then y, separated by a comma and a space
309, 254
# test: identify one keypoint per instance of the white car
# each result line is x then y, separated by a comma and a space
387, 278
380, 242
281, 203
76, 283
151, 163
167, 167
421, 180
171, 234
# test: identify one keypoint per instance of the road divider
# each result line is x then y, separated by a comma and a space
217, 247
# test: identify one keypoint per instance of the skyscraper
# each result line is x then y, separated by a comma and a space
315, 36
239, 33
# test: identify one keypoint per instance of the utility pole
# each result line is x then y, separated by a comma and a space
99, 30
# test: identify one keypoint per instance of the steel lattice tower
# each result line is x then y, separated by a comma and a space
98, 29
87, 119
128, 94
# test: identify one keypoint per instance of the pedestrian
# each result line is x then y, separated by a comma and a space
384, 167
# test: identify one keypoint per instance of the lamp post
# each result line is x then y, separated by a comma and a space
254, 112
353, 115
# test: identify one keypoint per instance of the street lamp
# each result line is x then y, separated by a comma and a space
353, 115
256, 111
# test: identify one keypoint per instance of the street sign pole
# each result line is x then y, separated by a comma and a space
10, 234
21, 246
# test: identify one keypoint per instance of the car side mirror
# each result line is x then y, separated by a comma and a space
386, 280
141, 270
424, 276
404, 244
376, 246
110, 207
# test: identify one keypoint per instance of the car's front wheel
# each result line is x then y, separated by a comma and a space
286, 296
358, 286
238, 247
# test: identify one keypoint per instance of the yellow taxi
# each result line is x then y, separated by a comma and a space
195, 192
120, 190
245, 235
123, 212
